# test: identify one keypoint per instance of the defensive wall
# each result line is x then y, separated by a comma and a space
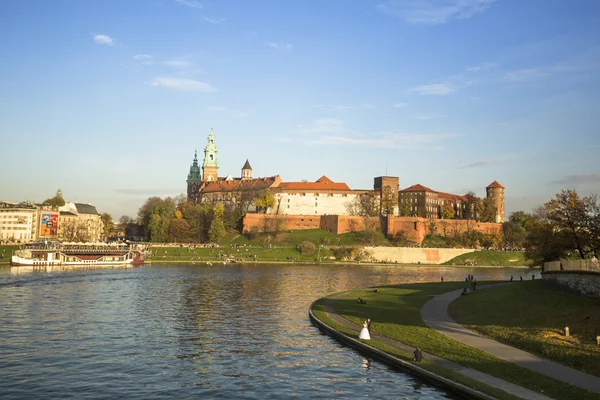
413, 255
413, 228
581, 276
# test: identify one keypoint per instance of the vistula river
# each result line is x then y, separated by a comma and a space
183, 331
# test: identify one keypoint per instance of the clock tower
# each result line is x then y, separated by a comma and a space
210, 166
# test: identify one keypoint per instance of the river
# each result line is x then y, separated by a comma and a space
183, 331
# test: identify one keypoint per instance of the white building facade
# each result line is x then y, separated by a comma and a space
18, 222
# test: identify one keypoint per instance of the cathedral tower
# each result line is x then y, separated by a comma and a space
194, 180
246, 171
495, 192
210, 166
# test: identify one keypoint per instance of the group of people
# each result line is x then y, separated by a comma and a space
361, 301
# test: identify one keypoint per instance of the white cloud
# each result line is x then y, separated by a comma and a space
399, 105
103, 39
434, 12
189, 3
439, 89
279, 46
482, 67
187, 85
142, 57
178, 64
214, 21
332, 131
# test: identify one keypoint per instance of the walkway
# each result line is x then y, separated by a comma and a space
435, 315
492, 381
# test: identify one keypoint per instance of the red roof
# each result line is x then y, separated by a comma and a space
323, 183
237, 184
418, 188
495, 184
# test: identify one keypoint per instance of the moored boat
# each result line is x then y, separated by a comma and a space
77, 254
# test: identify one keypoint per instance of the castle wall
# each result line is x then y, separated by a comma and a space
585, 283
415, 228
413, 255
260, 222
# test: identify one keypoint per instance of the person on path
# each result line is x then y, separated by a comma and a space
364, 332
369, 324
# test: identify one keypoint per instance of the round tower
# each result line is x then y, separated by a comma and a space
495, 192
210, 166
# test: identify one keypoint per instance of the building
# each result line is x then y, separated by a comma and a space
79, 222
18, 222
321, 197
421, 201
324, 196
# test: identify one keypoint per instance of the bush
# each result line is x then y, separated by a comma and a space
253, 233
306, 248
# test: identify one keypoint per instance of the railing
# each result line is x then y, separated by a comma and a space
573, 265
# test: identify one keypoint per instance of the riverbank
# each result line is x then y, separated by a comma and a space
395, 312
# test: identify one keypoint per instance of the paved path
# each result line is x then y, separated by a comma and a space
469, 372
435, 315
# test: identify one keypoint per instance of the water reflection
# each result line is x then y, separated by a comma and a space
182, 331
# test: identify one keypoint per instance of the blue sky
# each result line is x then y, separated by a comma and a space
108, 100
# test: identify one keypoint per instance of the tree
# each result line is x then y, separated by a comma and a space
514, 231
572, 214
448, 210
543, 242
179, 230
471, 206
487, 210
107, 223
404, 209
364, 205
75, 230
263, 201
217, 228
56, 201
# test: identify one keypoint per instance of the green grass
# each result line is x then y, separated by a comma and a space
395, 312
492, 258
533, 317
268, 247
6, 251
455, 376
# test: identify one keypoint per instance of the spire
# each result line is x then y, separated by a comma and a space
247, 165
194, 175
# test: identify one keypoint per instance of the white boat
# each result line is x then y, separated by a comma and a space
77, 254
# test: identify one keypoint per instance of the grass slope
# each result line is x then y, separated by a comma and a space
492, 258
395, 312
533, 317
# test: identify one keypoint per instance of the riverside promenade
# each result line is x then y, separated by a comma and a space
435, 315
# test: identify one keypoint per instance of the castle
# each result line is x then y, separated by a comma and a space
325, 197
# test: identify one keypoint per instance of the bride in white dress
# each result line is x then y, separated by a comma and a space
364, 332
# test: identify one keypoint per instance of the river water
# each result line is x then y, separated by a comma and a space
182, 331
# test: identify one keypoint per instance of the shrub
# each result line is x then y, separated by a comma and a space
306, 248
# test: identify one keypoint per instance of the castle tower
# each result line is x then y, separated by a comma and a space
210, 166
387, 188
246, 171
495, 192
194, 180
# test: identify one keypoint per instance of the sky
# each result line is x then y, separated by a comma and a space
108, 99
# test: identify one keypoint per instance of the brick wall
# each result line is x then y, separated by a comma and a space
416, 228
288, 222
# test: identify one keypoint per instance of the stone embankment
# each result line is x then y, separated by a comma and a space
581, 276
414, 255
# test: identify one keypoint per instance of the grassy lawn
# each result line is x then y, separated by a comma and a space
533, 317
492, 258
6, 252
269, 247
395, 312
